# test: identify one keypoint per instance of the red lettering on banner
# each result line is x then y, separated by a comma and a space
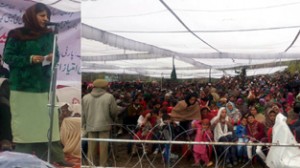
3, 38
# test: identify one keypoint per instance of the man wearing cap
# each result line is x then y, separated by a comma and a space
99, 113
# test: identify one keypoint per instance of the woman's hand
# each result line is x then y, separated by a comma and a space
36, 59
49, 57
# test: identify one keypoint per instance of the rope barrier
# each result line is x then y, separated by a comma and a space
191, 142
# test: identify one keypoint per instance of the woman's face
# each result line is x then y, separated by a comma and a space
244, 121
223, 113
192, 100
204, 111
276, 109
272, 116
232, 99
253, 111
157, 106
42, 18
229, 106
205, 126
202, 94
137, 101
250, 119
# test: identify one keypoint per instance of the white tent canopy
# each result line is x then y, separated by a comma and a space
142, 37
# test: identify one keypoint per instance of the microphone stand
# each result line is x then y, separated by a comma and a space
52, 92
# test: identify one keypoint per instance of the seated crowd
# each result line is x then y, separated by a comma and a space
232, 109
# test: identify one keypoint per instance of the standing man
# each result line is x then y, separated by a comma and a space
99, 113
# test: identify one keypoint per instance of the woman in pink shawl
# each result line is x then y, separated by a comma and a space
203, 134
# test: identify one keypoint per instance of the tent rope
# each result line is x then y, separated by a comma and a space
187, 26
296, 37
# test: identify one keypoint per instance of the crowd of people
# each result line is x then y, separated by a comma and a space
231, 109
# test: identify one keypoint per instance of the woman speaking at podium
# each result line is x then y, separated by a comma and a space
28, 52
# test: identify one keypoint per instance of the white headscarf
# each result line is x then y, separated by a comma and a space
234, 113
218, 131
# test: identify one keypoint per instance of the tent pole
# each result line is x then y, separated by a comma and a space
209, 80
161, 83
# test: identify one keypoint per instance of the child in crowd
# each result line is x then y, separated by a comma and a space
205, 113
168, 129
157, 130
255, 132
147, 121
241, 134
203, 134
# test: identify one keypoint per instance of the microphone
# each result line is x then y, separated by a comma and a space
51, 24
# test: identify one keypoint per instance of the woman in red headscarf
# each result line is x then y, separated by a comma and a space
25, 50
